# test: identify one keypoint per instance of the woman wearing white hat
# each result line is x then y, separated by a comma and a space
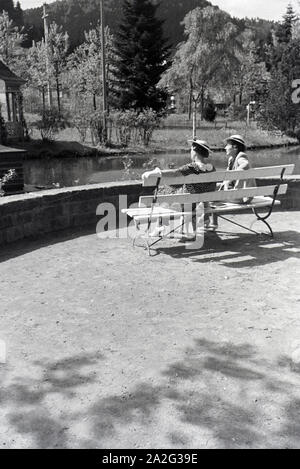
200, 163
237, 161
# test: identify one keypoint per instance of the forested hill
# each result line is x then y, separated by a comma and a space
77, 16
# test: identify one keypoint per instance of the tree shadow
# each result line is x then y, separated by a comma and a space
26, 398
218, 392
195, 388
24, 246
240, 250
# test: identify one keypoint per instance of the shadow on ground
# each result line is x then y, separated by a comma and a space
230, 392
240, 250
26, 397
25, 246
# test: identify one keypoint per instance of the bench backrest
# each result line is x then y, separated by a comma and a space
219, 176
223, 175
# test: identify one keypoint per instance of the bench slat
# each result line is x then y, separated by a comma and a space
146, 211
230, 208
143, 214
217, 196
220, 176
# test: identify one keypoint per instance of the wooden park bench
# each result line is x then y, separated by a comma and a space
157, 208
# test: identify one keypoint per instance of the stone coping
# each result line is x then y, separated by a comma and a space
69, 190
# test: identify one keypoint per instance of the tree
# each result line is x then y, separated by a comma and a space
209, 111
250, 74
277, 109
11, 39
284, 32
142, 55
283, 36
84, 64
18, 15
207, 56
8, 6
58, 47
37, 75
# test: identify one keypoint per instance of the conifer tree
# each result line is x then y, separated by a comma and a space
142, 57
18, 15
285, 30
8, 6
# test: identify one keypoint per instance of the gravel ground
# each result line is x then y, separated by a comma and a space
108, 348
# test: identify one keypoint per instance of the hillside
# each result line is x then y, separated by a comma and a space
77, 16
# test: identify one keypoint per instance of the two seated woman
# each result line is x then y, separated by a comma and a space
201, 163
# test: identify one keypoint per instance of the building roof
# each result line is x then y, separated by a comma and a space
8, 76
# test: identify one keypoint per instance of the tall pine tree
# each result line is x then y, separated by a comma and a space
8, 6
284, 32
142, 57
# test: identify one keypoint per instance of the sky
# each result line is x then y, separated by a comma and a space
272, 9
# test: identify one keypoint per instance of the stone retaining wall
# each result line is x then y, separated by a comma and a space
34, 214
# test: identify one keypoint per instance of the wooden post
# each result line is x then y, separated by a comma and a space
195, 120
104, 90
14, 107
8, 107
46, 34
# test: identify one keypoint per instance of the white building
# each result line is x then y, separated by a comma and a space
11, 101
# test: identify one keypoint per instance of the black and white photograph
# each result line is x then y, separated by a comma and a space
149, 227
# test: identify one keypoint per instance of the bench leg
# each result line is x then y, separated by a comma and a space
250, 229
264, 220
238, 224
269, 227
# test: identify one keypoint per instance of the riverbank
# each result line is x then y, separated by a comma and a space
165, 140
39, 150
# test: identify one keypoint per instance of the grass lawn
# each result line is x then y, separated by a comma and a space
173, 135
216, 133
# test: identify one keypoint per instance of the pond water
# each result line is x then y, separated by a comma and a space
66, 172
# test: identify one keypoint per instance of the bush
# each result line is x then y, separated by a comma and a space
124, 123
237, 112
81, 122
135, 127
129, 172
293, 133
96, 126
50, 124
146, 122
4, 180
209, 111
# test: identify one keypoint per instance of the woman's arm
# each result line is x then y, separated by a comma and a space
243, 164
162, 173
169, 173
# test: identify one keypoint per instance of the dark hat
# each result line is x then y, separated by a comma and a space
200, 143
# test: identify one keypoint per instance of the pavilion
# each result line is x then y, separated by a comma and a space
11, 101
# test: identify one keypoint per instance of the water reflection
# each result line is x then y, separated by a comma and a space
59, 172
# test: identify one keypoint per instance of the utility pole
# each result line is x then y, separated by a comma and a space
104, 89
46, 35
